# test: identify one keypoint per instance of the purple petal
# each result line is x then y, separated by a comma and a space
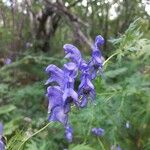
86, 84
55, 97
70, 94
97, 56
56, 74
97, 131
52, 68
82, 84
58, 114
72, 53
2, 146
93, 73
69, 48
68, 83
99, 40
69, 134
85, 90
1, 129
98, 59
95, 64
89, 84
83, 102
67, 107
70, 66
70, 69
92, 94
50, 80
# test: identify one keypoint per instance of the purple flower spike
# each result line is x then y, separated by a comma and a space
72, 53
62, 95
57, 114
98, 131
69, 133
56, 75
2, 145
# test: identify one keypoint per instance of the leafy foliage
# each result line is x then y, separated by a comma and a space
121, 106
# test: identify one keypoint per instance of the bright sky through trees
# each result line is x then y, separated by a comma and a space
112, 10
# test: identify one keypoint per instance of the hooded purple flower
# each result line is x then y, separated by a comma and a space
71, 70
97, 131
72, 53
86, 89
70, 73
84, 68
2, 145
58, 114
69, 96
68, 133
55, 106
56, 75
99, 41
54, 94
97, 60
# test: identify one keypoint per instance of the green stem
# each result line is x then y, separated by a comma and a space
101, 144
110, 58
43, 128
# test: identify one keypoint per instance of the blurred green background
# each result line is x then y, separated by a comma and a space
32, 35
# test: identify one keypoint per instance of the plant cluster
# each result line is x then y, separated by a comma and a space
61, 95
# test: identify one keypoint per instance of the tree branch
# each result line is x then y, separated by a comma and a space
76, 22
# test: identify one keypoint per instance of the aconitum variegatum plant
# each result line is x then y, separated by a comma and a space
63, 94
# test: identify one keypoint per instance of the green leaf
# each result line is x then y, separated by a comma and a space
82, 147
6, 109
11, 126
